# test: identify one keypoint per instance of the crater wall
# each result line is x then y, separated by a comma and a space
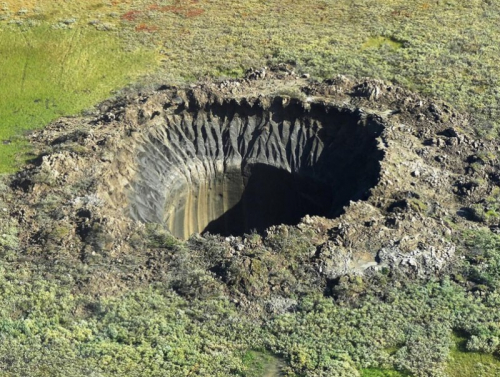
234, 167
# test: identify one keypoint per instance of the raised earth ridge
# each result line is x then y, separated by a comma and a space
377, 177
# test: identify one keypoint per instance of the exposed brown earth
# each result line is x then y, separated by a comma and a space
372, 175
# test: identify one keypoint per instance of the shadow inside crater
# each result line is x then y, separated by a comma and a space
272, 196
235, 168
346, 171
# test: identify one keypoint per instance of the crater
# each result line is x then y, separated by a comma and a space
232, 167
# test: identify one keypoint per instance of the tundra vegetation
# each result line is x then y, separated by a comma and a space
190, 324
60, 53
60, 58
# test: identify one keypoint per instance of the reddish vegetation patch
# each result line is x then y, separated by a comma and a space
132, 15
146, 28
194, 12
180, 8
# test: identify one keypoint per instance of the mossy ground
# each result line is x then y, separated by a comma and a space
48, 73
464, 363
422, 45
188, 325
376, 372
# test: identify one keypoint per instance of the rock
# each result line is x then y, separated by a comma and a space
370, 89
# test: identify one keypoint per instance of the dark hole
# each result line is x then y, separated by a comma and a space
234, 168
272, 196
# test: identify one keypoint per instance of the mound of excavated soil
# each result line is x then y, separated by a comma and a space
380, 176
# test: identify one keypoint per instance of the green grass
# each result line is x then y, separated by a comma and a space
48, 73
420, 44
261, 364
464, 363
378, 42
376, 372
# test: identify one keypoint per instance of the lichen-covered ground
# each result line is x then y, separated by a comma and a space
446, 49
66, 314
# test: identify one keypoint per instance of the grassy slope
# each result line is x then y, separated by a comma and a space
375, 372
471, 364
48, 73
420, 44
438, 56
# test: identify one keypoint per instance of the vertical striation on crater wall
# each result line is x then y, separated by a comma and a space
233, 167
